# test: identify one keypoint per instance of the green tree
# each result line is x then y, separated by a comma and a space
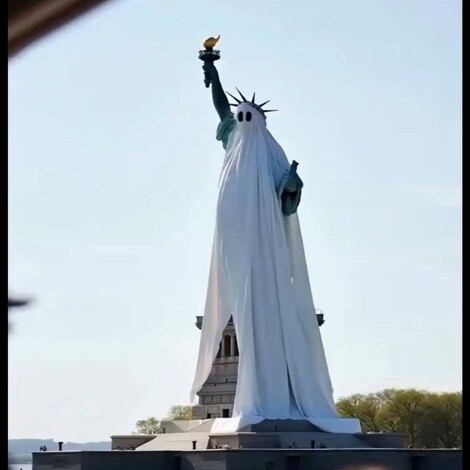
180, 412
364, 407
148, 426
403, 412
426, 419
153, 425
442, 422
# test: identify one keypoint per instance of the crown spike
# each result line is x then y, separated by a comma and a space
252, 103
241, 94
234, 97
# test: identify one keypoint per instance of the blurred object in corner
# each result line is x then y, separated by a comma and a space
30, 20
17, 302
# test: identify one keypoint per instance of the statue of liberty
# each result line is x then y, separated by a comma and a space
258, 276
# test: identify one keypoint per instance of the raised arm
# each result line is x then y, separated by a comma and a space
218, 95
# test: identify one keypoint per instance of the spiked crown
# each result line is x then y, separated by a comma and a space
258, 107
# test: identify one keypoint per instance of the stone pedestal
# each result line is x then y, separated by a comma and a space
217, 395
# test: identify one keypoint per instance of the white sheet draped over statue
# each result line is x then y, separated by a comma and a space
259, 276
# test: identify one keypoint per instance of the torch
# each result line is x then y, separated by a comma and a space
209, 55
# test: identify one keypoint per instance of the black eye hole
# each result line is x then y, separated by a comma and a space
248, 116
240, 116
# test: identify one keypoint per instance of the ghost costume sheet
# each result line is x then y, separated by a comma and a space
258, 275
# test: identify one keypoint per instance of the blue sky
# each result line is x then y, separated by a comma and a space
113, 170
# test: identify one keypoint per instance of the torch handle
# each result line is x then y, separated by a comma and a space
207, 75
208, 57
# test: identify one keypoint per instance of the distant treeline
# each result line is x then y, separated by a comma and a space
19, 458
20, 449
427, 419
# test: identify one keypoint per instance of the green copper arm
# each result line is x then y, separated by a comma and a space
291, 190
218, 94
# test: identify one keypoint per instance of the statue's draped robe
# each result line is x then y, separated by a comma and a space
258, 275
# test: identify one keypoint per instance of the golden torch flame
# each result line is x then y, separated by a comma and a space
209, 43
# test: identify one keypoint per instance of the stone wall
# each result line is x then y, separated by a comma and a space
248, 459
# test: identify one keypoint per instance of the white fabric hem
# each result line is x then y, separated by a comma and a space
334, 425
